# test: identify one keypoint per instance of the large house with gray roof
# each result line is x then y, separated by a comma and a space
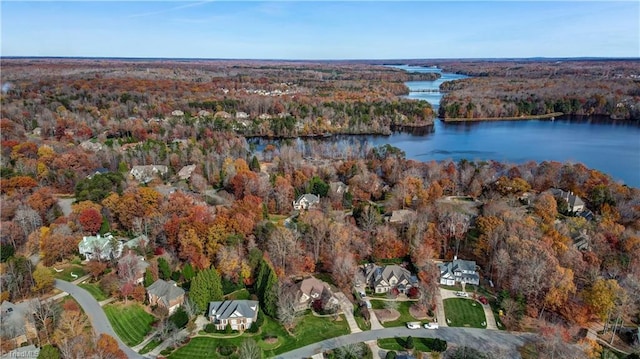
458, 271
385, 279
306, 201
100, 247
165, 294
239, 314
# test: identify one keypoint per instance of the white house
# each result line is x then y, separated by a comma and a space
147, 173
574, 203
458, 271
239, 314
100, 248
306, 201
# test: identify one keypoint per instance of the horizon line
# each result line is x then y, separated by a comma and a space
323, 60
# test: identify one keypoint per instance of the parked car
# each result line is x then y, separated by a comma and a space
483, 300
413, 325
431, 326
462, 294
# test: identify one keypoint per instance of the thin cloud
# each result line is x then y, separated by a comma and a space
151, 13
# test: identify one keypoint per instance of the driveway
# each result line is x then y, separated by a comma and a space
347, 310
488, 341
95, 313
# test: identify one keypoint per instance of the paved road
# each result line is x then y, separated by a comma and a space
95, 313
484, 340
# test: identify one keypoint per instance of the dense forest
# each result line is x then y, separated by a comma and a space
76, 128
499, 89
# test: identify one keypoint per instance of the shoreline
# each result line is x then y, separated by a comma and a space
529, 117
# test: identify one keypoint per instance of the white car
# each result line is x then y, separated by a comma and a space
431, 326
413, 325
462, 294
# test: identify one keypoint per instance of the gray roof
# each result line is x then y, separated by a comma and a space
570, 197
309, 197
376, 274
236, 308
13, 316
166, 291
460, 265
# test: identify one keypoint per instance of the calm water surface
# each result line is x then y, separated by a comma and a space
610, 146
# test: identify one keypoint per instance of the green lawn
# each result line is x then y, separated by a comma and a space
66, 273
403, 308
95, 291
464, 313
397, 343
150, 346
238, 295
130, 322
309, 330
362, 324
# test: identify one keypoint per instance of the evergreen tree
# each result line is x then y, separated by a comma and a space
164, 271
254, 165
409, 344
266, 286
206, 287
148, 278
187, 272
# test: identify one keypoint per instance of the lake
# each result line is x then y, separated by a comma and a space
612, 147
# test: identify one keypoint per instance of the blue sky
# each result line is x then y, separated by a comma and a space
321, 30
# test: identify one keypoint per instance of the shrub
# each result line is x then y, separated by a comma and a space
226, 350
210, 328
438, 345
390, 355
409, 344
179, 318
227, 329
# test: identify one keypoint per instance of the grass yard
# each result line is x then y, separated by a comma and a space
95, 291
403, 308
309, 330
398, 343
150, 346
130, 322
66, 273
238, 295
464, 313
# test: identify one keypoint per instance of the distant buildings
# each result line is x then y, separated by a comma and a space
575, 204
16, 321
147, 173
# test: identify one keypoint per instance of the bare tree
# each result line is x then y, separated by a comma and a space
286, 294
46, 316
249, 349
454, 225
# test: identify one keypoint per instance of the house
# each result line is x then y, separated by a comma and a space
100, 247
384, 279
147, 173
458, 271
16, 321
98, 171
575, 204
311, 289
338, 188
186, 171
138, 242
306, 201
29, 351
239, 314
402, 216
141, 266
165, 294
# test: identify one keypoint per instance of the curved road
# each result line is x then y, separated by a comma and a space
491, 341
95, 313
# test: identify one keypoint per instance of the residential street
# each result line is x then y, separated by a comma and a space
95, 313
484, 340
